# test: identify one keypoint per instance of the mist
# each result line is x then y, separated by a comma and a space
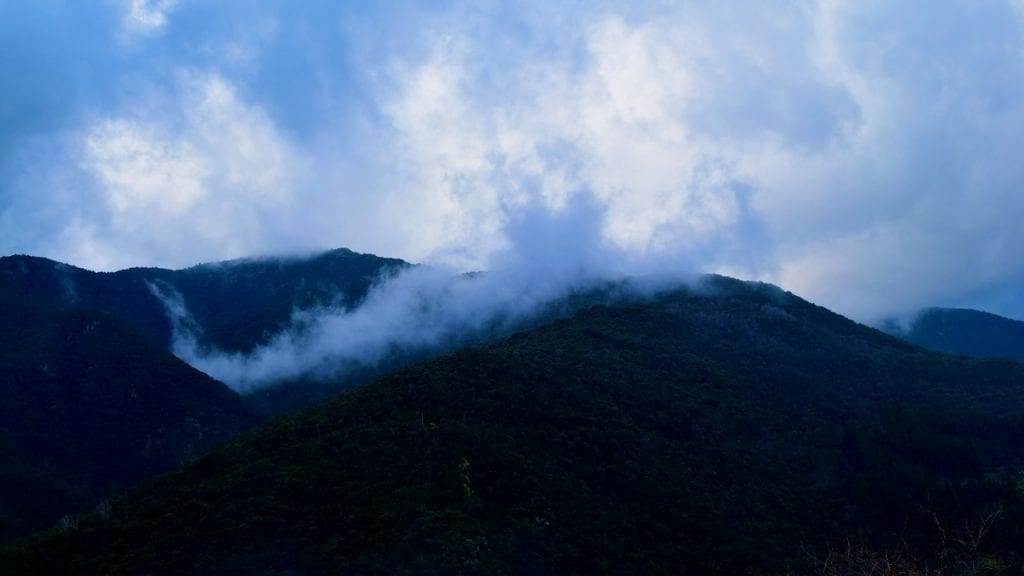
417, 310
861, 154
432, 309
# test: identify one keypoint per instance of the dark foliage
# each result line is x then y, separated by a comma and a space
731, 430
967, 332
91, 402
237, 304
292, 395
89, 407
234, 306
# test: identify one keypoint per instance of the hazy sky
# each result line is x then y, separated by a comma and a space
865, 154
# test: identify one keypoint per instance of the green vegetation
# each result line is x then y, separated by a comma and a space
236, 305
91, 402
88, 407
734, 429
239, 304
967, 332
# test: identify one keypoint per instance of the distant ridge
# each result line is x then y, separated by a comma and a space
964, 331
91, 399
89, 407
237, 304
728, 429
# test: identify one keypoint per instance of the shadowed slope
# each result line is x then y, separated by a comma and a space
89, 407
967, 332
733, 430
236, 305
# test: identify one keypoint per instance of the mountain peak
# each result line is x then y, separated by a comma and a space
693, 432
964, 331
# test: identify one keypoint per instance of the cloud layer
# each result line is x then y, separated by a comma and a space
428, 310
861, 154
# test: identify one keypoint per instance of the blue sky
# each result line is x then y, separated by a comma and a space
863, 154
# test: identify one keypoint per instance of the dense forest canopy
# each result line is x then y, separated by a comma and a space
727, 430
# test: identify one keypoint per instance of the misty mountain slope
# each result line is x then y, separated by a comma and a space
735, 429
234, 320
492, 322
89, 407
964, 331
240, 303
235, 305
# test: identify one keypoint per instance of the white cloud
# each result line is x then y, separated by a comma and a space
615, 129
863, 154
873, 146
443, 159
209, 175
909, 209
147, 16
424, 309
142, 170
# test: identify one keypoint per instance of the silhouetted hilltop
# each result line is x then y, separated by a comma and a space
236, 305
92, 401
89, 407
730, 428
964, 331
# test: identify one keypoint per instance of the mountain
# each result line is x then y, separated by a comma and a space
231, 306
234, 305
92, 401
729, 428
89, 407
964, 331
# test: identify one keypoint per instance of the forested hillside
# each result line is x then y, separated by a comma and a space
235, 305
89, 407
228, 307
730, 429
963, 331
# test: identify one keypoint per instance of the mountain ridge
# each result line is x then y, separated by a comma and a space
729, 429
237, 304
87, 371
963, 331
89, 407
